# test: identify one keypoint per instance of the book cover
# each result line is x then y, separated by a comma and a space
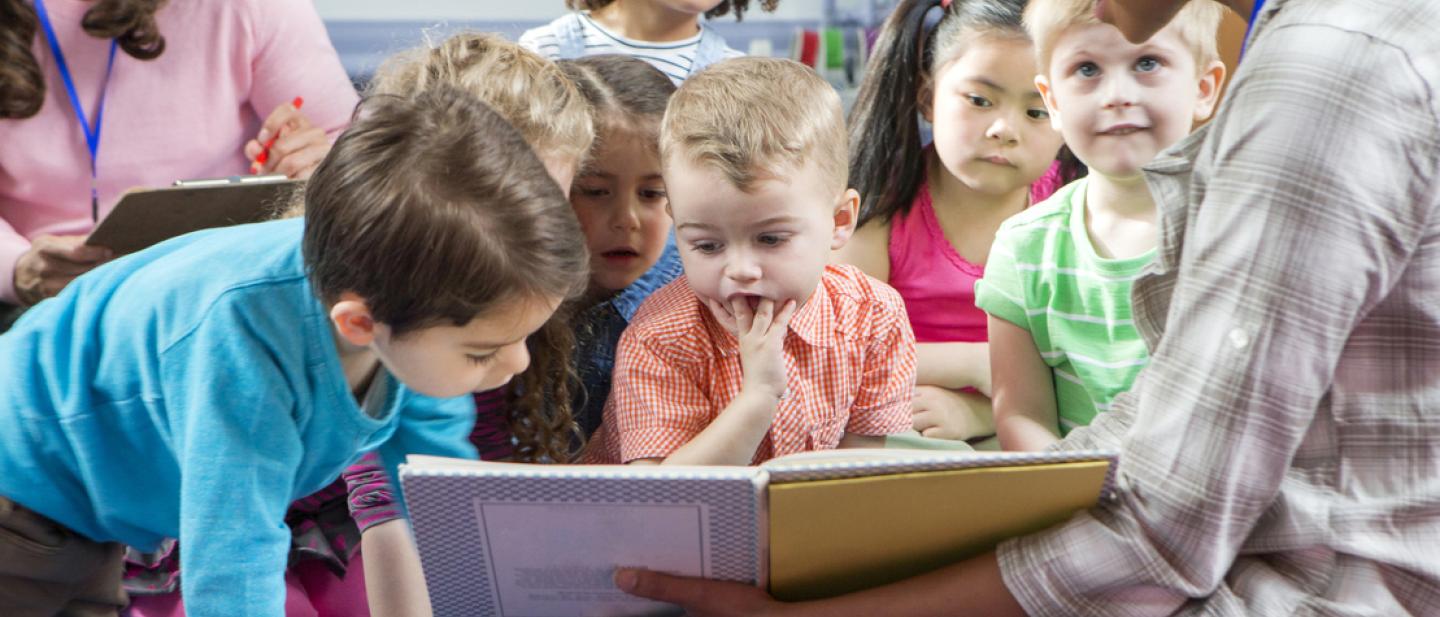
544, 540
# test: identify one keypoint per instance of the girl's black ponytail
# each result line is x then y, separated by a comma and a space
887, 164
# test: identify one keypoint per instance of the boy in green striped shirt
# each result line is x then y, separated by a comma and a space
1057, 285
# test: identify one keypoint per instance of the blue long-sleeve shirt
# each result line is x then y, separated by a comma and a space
193, 390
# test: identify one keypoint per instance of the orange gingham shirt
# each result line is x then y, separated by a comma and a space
849, 357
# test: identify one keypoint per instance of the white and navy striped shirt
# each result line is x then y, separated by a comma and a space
676, 59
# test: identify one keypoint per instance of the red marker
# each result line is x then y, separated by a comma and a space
265, 152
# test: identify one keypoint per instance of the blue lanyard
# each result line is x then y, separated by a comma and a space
92, 137
1254, 13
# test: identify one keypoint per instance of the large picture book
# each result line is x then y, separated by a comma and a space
518, 540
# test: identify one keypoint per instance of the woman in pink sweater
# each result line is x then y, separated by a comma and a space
165, 91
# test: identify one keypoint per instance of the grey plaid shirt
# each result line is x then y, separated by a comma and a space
1281, 453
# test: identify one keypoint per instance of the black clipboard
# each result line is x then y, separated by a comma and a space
147, 217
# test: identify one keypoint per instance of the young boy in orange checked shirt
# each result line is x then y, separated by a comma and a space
762, 348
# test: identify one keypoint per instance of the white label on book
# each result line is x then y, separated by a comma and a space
559, 559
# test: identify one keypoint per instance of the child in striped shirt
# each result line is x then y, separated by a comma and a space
1057, 288
668, 34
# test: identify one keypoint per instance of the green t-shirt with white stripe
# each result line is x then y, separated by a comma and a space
1044, 276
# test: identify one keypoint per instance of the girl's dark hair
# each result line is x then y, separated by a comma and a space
738, 7
887, 163
623, 92
538, 404
22, 86
435, 210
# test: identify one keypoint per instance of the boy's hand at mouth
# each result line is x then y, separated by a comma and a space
760, 325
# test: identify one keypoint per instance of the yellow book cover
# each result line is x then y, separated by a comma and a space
829, 537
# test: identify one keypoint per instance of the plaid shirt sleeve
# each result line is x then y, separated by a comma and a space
655, 405
887, 386
1316, 190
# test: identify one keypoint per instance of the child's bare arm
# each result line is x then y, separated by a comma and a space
1025, 413
949, 414
731, 439
868, 250
954, 366
394, 583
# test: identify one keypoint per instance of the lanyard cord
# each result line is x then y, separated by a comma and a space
92, 137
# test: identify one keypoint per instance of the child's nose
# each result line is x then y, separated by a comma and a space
1119, 92
1002, 129
626, 217
742, 267
515, 358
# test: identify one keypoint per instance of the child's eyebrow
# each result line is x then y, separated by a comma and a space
987, 83
696, 225
487, 345
776, 220
1150, 47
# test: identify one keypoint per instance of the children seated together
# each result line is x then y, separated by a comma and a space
736, 275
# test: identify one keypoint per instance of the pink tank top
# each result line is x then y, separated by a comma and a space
937, 284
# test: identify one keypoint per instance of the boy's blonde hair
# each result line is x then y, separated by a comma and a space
756, 118
1198, 25
526, 89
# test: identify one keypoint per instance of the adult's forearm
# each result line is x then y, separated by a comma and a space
972, 587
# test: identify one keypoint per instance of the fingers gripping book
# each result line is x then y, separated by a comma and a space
544, 540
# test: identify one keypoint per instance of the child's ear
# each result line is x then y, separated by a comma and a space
353, 320
925, 99
1042, 84
1210, 81
847, 214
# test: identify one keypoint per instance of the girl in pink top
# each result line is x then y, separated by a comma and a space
193, 90
929, 214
